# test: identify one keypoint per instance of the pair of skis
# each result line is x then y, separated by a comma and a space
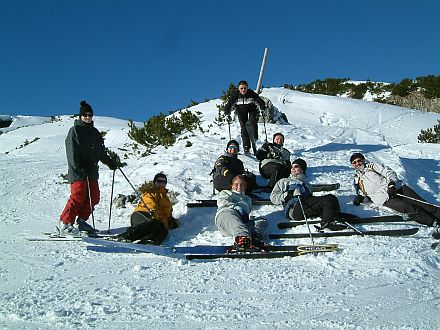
349, 220
208, 251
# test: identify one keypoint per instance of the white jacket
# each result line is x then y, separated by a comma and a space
231, 200
372, 181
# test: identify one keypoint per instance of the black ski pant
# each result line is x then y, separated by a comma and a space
274, 171
143, 227
243, 117
327, 207
420, 212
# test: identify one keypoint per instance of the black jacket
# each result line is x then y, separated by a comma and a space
84, 149
244, 103
230, 163
272, 152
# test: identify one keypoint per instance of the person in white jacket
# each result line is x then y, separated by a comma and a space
379, 184
232, 217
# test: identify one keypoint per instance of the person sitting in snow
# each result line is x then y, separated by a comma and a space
274, 160
245, 101
379, 184
84, 149
152, 217
227, 166
295, 194
232, 216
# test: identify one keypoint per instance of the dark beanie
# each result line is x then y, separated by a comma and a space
301, 163
356, 155
159, 175
85, 108
276, 134
233, 142
242, 82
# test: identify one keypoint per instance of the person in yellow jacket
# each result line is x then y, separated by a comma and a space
152, 217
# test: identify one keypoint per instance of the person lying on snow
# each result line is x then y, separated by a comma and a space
295, 194
152, 217
227, 166
232, 217
379, 184
274, 160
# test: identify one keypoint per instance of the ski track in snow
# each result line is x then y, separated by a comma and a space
371, 282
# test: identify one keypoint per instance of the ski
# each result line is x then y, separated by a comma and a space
386, 232
270, 252
213, 202
375, 219
204, 249
254, 255
48, 236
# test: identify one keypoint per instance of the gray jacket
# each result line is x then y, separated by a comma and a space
286, 191
372, 181
237, 202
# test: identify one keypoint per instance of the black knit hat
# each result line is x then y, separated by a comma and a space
159, 175
301, 163
242, 82
356, 155
233, 142
85, 108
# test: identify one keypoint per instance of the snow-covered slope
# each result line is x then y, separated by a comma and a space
372, 282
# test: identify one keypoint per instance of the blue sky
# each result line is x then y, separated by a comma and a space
134, 59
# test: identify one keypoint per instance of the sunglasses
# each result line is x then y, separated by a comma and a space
232, 147
161, 181
357, 161
296, 166
87, 115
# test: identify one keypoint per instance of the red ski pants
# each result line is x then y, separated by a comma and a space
78, 204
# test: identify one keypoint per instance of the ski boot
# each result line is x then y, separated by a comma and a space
69, 230
84, 227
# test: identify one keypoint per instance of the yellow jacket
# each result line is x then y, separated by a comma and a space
158, 202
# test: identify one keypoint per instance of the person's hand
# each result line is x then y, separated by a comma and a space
358, 200
392, 191
112, 164
297, 192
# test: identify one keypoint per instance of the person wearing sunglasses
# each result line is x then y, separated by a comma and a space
84, 149
152, 217
227, 166
379, 184
295, 195
246, 103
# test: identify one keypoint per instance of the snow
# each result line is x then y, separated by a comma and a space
371, 282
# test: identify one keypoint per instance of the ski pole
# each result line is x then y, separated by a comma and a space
305, 218
111, 201
264, 124
229, 129
349, 225
135, 191
90, 202
417, 200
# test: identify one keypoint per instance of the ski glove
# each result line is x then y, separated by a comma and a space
358, 200
392, 191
